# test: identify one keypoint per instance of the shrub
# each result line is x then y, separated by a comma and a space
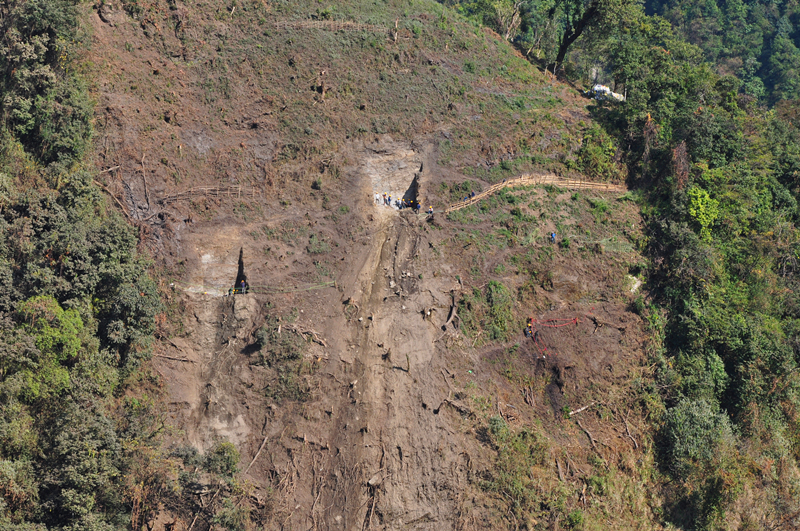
222, 459
278, 347
596, 155
57, 334
695, 432
703, 210
575, 519
501, 318
283, 354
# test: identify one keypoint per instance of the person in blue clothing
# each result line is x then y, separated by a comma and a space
552, 237
472, 195
244, 287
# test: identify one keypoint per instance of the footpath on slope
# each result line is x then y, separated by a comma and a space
532, 180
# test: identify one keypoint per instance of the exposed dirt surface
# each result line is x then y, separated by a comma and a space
389, 432
384, 437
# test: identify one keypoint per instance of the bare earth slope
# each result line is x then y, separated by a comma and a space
380, 418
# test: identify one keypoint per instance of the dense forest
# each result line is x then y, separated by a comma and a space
710, 134
710, 138
80, 433
757, 42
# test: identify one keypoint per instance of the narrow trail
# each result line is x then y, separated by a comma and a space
532, 180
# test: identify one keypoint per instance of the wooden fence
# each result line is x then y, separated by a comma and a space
331, 25
530, 180
211, 191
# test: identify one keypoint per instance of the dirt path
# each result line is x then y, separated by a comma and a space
532, 180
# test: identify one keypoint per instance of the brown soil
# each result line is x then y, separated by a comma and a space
391, 436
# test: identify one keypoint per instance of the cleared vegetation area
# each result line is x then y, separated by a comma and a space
538, 358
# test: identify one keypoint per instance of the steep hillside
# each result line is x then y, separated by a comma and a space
376, 374
290, 265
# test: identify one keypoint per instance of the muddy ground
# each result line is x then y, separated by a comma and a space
391, 431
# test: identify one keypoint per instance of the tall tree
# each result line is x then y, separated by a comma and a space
593, 19
577, 16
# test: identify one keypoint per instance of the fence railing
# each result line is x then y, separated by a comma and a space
532, 180
330, 25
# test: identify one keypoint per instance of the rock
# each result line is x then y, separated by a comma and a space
375, 480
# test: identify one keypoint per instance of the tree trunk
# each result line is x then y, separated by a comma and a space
571, 33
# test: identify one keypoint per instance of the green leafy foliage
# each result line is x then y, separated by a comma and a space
518, 451
766, 58
45, 105
222, 459
77, 307
703, 210
596, 156
57, 335
723, 219
490, 310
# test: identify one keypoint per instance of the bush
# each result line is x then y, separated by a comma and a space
222, 459
501, 303
596, 156
282, 353
695, 432
57, 334
700, 450
575, 519
276, 347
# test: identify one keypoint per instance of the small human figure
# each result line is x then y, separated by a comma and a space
472, 195
244, 287
384, 199
230, 292
552, 237
419, 207
377, 198
430, 209
389, 202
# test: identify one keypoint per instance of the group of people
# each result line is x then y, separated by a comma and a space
530, 332
241, 289
400, 204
